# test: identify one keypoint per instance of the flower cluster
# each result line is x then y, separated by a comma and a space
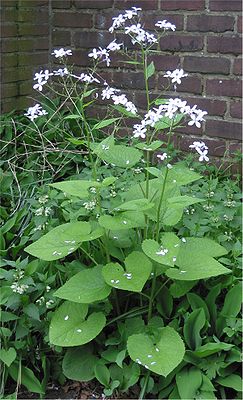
104, 54
202, 150
165, 25
35, 112
121, 99
176, 75
120, 20
170, 110
41, 78
60, 53
139, 35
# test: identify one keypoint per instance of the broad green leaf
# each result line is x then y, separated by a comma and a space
102, 374
166, 122
123, 111
76, 188
8, 356
104, 145
180, 288
182, 201
27, 378
121, 156
188, 382
32, 311
109, 181
211, 348
63, 240
150, 70
192, 327
231, 307
8, 316
133, 276
69, 327
232, 381
161, 357
85, 287
196, 301
78, 364
149, 147
195, 260
73, 116
134, 205
123, 221
154, 250
182, 175
104, 123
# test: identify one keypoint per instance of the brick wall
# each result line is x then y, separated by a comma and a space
206, 44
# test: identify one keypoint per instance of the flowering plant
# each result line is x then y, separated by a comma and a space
132, 263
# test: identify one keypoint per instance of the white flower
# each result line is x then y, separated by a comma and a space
113, 46
162, 157
89, 205
176, 75
166, 25
202, 150
130, 107
108, 92
139, 131
39, 211
35, 112
19, 288
203, 156
117, 22
121, 99
59, 53
60, 72
101, 53
87, 78
196, 117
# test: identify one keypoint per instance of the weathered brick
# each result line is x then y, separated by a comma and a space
223, 87
9, 90
9, 30
61, 3
6, 3
217, 148
235, 147
32, 3
191, 5
212, 106
72, 20
190, 84
61, 38
9, 14
91, 39
236, 109
165, 62
239, 24
144, 4
33, 30
93, 4
33, 59
80, 58
224, 5
224, 129
237, 67
9, 45
215, 65
181, 43
210, 23
25, 88
32, 15
130, 80
224, 44
175, 19
9, 60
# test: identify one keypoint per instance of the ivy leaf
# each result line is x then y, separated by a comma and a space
78, 364
161, 357
85, 287
170, 242
133, 277
76, 188
69, 327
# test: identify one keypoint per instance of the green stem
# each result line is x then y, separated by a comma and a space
151, 298
132, 313
143, 390
88, 255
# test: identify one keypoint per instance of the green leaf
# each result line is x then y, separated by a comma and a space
8, 356
121, 156
32, 311
134, 205
232, 381
123, 111
188, 382
76, 188
85, 287
108, 181
232, 303
70, 328
182, 175
195, 260
104, 123
78, 364
122, 221
73, 116
62, 240
182, 201
150, 70
27, 378
192, 327
162, 357
211, 348
133, 277
102, 374
151, 147
180, 288
170, 242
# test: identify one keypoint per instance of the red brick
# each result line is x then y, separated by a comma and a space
237, 68
224, 129
213, 65
190, 84
191, 5
236, 109
141, 100
239, 24
91, 39
210, 23
235, 147
224, 45
223, 87
144, 4
104, 21
61, 38
216, 148
212, 106
225, 5
80, 58
130, 80
99, 4
61, 3
181, 43
165, 62
40, 15
72, 20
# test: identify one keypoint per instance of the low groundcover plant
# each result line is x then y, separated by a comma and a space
125, 315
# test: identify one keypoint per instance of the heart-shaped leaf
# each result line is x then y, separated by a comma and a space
134, 205
85, 287
70, 328
161, 357
76, 188
8, 356
78, 363
121, 156
126, 220
133, 277
164, 253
